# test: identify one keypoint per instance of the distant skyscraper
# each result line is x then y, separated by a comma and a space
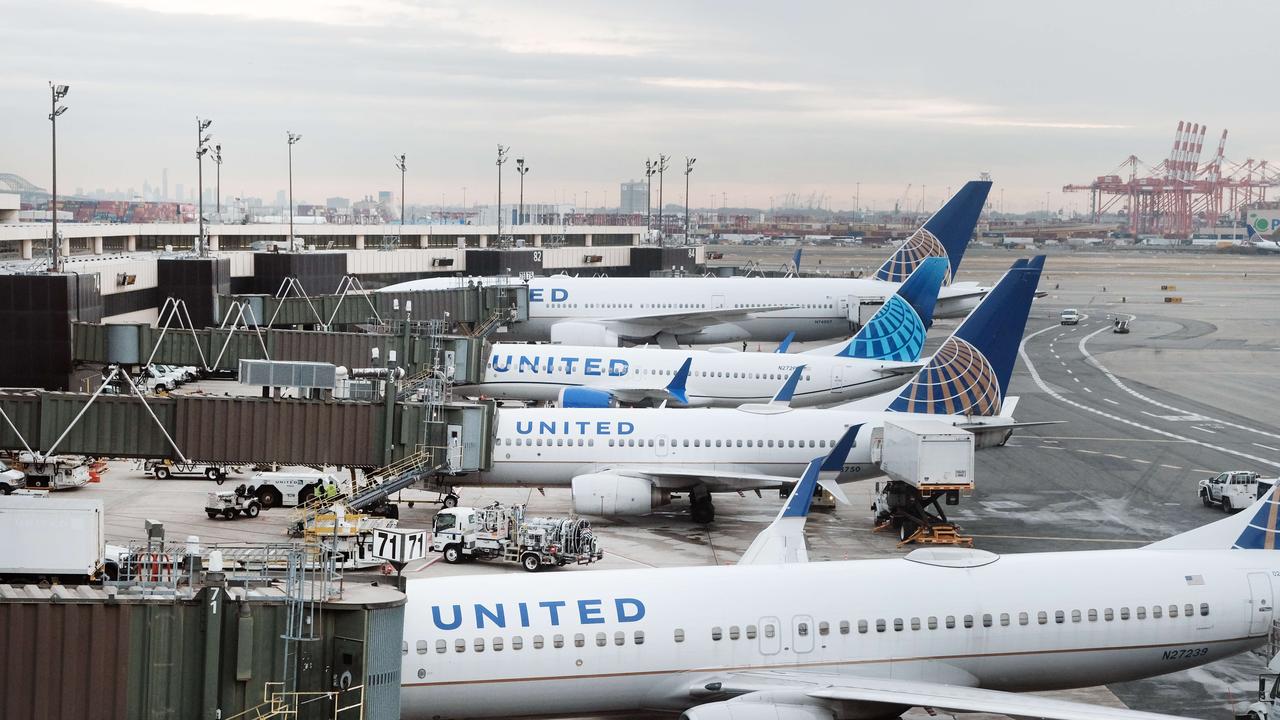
177, 192
385, 196
337, 203
164, 184
282, 199
634, 197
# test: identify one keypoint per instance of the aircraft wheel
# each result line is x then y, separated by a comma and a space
703, 512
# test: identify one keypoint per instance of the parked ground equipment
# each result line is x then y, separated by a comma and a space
506, 533
231, 504
927, 461
52, 538
1232, 490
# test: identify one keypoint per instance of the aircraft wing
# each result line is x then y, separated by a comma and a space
681, 479
681, 322
869, 692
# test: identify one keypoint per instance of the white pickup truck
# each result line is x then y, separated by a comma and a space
1232, 490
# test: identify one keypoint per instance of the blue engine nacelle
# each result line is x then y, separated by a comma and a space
581, 397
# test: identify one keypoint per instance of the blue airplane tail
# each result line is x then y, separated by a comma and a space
897, 330
969, 374
946, 234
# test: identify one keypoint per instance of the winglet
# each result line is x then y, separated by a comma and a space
788, 389
795, 261
676, 388
783, 541
785, 345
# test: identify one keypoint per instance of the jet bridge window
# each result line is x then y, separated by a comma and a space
421, 647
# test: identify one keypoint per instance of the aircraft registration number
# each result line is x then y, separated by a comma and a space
1185, 653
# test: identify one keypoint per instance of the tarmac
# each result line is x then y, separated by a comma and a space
1144, 416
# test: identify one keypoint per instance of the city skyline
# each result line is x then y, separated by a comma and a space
587, 94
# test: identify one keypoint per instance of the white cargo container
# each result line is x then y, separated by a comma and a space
50, 537
927, 454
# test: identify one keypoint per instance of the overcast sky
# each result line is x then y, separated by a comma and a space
771, 97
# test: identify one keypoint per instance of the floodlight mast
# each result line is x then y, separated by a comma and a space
293, 140
56, 92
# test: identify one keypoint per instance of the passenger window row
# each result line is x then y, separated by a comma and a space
498, 643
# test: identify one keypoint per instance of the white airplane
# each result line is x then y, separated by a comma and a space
629, 461
599, 311
880, 357
778, 638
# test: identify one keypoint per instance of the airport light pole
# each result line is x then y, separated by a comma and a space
217, 183
401, 167
521, 168
293, 140
57, 92
202, 148
502, 160
688, 170
649, 166
661, 168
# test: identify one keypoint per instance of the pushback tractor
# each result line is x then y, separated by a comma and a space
506, 533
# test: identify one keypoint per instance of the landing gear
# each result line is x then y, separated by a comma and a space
701, 508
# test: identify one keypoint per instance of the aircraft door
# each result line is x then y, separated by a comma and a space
717, 302
770, 635
1259, 603
802, 630
661, 447
837, 379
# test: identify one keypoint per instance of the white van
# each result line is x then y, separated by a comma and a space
290, 489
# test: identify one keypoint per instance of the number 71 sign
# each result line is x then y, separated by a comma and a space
399, 545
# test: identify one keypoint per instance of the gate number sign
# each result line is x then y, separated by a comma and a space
399, 545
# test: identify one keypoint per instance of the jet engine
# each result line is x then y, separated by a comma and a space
609, 494
583, 333
581, 397
737, 709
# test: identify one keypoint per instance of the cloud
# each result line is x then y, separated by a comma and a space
688, 83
